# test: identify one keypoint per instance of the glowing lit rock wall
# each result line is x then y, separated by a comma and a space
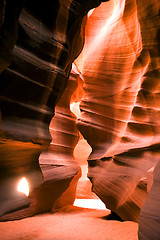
58, 161
120, 107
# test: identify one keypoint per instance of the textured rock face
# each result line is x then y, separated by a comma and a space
120, 108
59, 169
58, 162
49, 37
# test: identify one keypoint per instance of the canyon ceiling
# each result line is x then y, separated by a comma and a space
55, 53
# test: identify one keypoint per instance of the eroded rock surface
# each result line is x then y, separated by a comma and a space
49, 36
58, 163
120, 108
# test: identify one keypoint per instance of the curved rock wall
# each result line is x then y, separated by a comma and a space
58, 163
120, 108
48, 36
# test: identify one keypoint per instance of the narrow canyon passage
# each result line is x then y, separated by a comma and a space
85, 220
100, 58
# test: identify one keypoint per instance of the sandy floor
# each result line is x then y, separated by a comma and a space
72, 223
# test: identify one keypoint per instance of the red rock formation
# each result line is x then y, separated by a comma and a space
50, 37
120, 107
119, 110
60, 171
149, 215
64, 139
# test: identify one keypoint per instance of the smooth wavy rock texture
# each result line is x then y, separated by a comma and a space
120, 107
49, 36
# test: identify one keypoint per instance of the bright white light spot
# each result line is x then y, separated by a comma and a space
74, 107
23, 186
90, 203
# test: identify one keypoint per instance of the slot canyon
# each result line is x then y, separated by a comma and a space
79, 110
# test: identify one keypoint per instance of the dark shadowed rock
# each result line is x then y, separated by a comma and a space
48, 37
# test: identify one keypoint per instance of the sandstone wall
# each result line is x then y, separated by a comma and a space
120, 107
49, 36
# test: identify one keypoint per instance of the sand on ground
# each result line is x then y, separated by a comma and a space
70, 223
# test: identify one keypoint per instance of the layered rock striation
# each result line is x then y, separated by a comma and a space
48, 37
120, 107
